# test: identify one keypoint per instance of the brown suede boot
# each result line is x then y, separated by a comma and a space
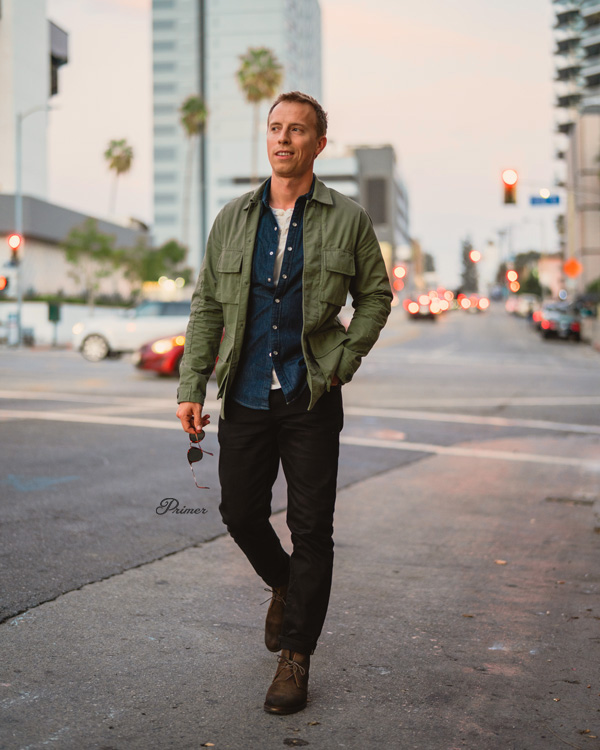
289, 688
274, 621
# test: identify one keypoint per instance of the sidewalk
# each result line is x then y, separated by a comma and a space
464, 614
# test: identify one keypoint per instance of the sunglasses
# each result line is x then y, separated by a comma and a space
195, 454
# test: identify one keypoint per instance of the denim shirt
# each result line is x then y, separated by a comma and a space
273, 338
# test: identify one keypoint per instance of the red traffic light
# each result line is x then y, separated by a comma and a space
475, 256
14, 241
3, 283
510, 179
399, 272
512, 276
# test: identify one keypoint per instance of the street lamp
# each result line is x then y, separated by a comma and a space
19, 203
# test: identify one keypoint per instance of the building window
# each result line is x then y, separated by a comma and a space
165, 177
164, 67
165, 219
165, 199
165, 130
377, 200
163, 25
164, 109
163, 46
165, 88
165, 154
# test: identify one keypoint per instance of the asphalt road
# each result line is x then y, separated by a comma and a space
464, 612
89, 451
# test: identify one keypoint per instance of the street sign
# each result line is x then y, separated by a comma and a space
537, 200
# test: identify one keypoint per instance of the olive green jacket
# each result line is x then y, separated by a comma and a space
341, 255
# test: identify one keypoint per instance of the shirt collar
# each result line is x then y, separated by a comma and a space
267, 191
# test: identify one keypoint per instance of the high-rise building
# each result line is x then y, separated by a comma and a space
196, 51
577, 60
577, 56
32, 48
370, 175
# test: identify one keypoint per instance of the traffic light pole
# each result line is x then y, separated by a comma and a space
19, 206
19, 218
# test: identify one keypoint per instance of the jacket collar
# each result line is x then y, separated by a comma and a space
321, 193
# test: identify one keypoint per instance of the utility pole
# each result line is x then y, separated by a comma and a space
19, 206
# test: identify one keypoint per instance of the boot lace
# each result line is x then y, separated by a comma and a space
293, 667
275, 597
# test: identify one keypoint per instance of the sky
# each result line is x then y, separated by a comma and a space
461, 89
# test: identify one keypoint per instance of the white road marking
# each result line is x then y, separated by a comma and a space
89, 398
451, 450
497, 401
536, 424
161, 424
84, 418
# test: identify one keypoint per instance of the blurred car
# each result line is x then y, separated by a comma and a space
560, 320
473, 302
427, 306
109, 336
161, 355
526, 305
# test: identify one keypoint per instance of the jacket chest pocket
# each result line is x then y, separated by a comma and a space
229, 276
337, 271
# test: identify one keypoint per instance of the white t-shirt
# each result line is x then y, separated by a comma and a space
283, 217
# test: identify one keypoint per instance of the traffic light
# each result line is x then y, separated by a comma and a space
474, 256
510, 179
14, 242
399, 273
3, 284
513, 280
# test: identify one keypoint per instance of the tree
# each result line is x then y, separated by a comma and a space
119, 156
141, 263
259, 77
193, 119
92, 255
470, 281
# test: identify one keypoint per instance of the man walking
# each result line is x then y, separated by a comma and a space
280, 262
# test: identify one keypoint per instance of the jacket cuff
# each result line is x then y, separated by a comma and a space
187, 394
348, 365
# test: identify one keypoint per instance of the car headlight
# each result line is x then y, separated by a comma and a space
78, 328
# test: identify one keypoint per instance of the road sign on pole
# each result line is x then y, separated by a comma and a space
537, 200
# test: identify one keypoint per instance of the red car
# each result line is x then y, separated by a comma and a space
161, 355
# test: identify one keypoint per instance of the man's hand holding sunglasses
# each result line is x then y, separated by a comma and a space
191, 417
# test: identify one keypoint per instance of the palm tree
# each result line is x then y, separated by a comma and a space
259, 77
193, 119
119, 156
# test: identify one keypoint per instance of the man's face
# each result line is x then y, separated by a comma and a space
292, 142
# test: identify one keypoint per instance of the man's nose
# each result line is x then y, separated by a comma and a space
284, 137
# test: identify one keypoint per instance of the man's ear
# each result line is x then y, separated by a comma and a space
321, 143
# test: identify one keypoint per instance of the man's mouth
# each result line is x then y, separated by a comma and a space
283, 153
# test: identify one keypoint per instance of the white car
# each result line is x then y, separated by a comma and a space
100, 337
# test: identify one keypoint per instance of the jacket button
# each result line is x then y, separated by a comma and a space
278, 301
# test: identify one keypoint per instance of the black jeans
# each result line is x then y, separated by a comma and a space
252, 442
